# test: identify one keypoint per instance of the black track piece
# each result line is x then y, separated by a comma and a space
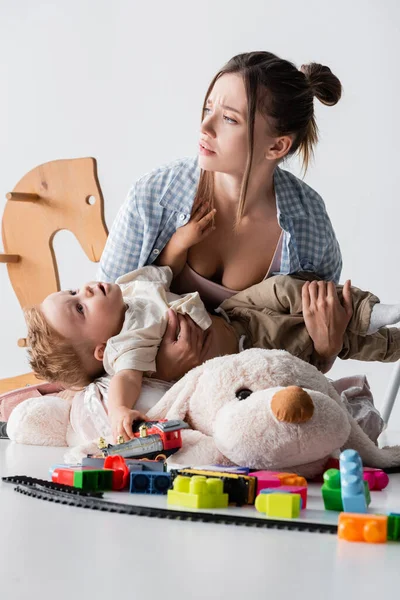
50, 486
93, 503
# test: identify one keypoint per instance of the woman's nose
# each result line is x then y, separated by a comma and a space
207, 126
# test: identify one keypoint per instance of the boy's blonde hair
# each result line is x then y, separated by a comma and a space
51, 356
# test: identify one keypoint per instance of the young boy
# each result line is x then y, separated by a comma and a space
117, 327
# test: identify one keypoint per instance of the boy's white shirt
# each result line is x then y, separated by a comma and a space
146, 293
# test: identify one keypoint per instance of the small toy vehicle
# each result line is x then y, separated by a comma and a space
152, 439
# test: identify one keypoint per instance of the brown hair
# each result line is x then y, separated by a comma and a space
51, 356
284, 95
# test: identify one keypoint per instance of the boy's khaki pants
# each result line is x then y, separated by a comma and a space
270, 315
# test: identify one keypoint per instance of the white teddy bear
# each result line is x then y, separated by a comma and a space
263, 409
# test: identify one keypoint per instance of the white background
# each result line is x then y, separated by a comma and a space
123, 81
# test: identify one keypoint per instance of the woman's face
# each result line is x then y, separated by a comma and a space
223, 145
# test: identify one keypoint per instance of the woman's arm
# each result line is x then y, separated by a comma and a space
124, 243
326, 319
201, 224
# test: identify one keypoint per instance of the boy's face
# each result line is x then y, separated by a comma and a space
93, 313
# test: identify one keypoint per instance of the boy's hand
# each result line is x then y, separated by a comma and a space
201, 224
121, 419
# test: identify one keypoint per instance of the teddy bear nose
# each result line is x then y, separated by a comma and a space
292, 405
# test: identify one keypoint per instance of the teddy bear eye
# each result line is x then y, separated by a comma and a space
243, 394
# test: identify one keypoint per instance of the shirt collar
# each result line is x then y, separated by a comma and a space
179, 195
290, 197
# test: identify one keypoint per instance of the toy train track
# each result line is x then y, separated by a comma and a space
50, 486
64, 494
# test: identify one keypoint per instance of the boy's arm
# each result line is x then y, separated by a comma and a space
123, 394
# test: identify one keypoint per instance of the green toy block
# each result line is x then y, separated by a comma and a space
93, 480
286, 506
198, 492
393, 531
332, 491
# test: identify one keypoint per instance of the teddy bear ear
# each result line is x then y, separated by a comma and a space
175, 402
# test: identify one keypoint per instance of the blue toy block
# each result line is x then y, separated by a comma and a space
147, 482
352, 482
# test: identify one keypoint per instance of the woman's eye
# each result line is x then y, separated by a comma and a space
243, 394
79, 308
206, 110
229, 120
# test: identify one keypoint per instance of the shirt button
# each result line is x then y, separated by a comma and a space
182, 217
156, 251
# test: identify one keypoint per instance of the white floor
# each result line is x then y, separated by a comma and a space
54, 551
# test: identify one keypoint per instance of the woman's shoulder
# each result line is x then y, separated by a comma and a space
184, 171
297, 197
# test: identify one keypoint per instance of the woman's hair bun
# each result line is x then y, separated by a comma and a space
324, 84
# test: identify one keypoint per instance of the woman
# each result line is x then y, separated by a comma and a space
258, 110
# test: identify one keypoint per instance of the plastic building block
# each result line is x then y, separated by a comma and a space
279, 505
363, 528
86, 478
265, 480
284, 478
145, 464
331, 490
376, 478
241, 489
394, 527
198, 492
91, 461
147, 482
289, 489
119, 466
224, 469
63, 466
351, 477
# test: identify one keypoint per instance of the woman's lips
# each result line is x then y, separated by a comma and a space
205, 151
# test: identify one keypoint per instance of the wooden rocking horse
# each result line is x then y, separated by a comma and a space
62, 194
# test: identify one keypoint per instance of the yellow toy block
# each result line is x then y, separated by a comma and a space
286, 506
198, 492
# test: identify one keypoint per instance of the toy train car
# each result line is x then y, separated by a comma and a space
241, 489
152, 438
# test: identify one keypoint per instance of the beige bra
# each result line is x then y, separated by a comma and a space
213, 293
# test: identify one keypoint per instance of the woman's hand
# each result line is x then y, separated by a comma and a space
325, 316
201, 224
183, 347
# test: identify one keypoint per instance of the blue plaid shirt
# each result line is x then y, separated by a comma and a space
162, 200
